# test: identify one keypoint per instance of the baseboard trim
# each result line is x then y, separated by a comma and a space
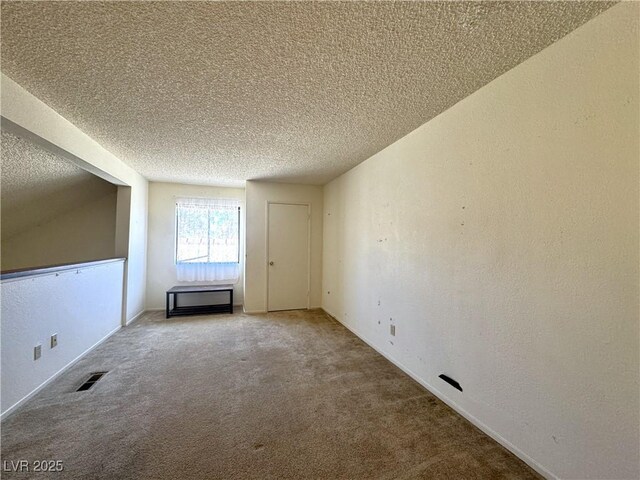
16, 406
256, 312
478, 423
135, 317
162, 309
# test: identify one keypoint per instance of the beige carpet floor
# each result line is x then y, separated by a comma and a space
284, 395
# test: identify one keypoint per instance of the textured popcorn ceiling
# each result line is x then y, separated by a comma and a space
37, 186
221, 92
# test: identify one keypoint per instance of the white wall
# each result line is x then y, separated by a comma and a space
43, 124
162, 243
81, 306
501, 238
82, 234
258, 193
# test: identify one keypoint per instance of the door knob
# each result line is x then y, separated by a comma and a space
270, 263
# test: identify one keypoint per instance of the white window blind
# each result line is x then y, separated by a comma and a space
208, 239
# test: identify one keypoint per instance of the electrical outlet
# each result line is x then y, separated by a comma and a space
37, 352
393, 330
54, 340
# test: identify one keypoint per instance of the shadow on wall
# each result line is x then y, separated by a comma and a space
52, 210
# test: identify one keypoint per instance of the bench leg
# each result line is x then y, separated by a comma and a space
231, 301
167, 313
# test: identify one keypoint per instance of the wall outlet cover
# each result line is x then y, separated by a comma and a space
54, 340
37, 352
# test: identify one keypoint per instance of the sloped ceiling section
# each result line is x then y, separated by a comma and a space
220, 92
38, 186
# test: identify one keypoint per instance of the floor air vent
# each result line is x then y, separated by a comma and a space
93, 378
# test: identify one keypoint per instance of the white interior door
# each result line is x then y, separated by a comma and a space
288, 257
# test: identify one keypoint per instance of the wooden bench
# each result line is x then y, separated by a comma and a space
174, 310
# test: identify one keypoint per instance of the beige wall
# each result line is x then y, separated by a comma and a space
82, 234
258, 193
501, 239
161, 273
52, 211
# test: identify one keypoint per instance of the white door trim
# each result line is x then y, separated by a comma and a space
266, 260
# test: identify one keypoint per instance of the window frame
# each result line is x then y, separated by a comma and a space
209, 208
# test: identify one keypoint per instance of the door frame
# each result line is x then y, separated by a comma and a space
266, 260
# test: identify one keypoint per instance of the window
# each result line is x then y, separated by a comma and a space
207, 239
